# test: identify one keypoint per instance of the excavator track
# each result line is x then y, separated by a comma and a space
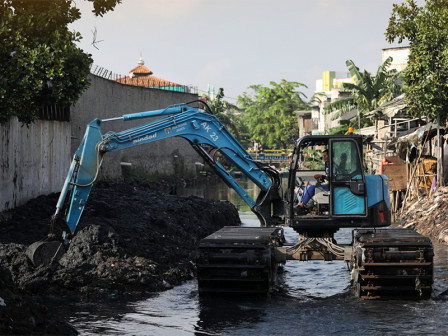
239, 260
392, 264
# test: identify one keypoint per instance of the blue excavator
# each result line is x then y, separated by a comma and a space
384, 262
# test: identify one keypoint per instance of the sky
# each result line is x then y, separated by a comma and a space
232, 44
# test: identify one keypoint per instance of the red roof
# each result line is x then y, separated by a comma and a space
142, 76
145, 81
141, 69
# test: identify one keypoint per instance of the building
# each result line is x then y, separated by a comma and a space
330, 84
305, 123
399, 57
328, 89
142, 76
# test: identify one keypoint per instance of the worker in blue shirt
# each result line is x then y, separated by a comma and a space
310, 189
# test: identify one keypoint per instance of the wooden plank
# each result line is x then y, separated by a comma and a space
397, 176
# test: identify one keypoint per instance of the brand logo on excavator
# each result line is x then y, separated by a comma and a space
145, 138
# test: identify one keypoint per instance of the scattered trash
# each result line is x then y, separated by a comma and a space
428, 215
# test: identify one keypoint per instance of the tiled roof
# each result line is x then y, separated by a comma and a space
141, 69
147, 81
142, 76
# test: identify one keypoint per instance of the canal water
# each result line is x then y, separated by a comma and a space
312, 298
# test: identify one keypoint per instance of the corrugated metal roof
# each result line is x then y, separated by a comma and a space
350, 114
370, 130
394, 108
303, 113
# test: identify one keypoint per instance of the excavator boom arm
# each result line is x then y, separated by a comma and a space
198, 128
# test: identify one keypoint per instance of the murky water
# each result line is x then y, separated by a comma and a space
312, 298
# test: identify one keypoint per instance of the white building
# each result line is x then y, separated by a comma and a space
399, 55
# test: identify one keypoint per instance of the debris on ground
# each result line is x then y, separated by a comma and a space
427, 215
130, 239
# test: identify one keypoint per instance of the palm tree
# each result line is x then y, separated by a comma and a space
368, 92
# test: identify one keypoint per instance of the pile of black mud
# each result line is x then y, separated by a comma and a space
130, 239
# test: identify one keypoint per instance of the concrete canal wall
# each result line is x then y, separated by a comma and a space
34, 160
106, 99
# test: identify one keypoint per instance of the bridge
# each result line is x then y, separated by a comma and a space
271, 156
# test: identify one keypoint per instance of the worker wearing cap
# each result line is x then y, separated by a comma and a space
310, 189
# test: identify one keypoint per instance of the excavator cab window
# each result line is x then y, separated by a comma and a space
347, 178
346, 161
312, 191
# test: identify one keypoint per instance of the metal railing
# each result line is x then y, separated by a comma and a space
54, 112
270, 155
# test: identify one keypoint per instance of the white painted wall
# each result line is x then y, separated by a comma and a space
399, 55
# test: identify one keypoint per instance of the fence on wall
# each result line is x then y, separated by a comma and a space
54, 112
147, 81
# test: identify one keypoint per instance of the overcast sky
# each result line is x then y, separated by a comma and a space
237, 43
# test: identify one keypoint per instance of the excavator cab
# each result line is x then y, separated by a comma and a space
344, 197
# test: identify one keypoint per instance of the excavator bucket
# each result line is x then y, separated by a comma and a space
43, 253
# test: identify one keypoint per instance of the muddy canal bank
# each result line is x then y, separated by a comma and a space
131, 239
427, 215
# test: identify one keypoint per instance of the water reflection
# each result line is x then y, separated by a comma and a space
220, 191
312, 298
220, 314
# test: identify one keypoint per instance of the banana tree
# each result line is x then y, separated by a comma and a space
368, 92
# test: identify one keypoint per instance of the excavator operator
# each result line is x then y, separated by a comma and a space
310, 189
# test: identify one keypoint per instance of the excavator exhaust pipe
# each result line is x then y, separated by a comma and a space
44, 252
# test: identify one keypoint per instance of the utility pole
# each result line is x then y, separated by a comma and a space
439, 155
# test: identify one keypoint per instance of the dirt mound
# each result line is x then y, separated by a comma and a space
21, 314
130, 239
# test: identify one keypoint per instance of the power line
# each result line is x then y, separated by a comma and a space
230, 98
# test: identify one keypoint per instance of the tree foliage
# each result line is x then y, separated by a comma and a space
222, 109
368, 91
40, 63
426, 75
230, 117
269, 112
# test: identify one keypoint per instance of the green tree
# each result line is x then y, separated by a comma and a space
40, 63
223, 110
230, 116
426, 75
368, 92
269, 112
